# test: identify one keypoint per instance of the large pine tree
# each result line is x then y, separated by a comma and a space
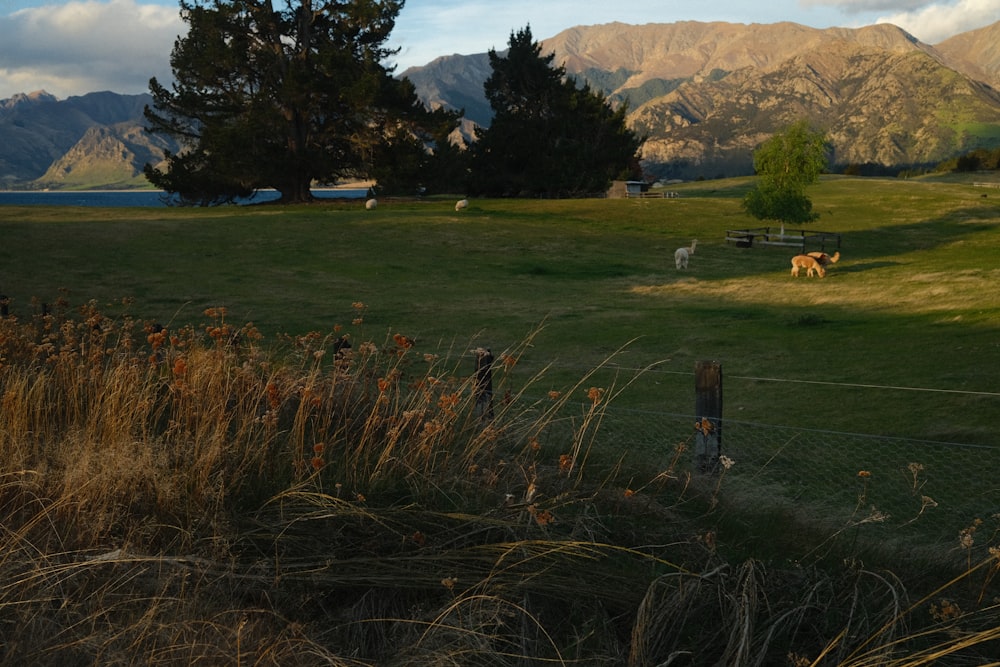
548, 136
280, 98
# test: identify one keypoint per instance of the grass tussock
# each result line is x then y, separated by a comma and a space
190, 495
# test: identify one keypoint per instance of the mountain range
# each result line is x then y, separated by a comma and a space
93, 140
706, 94
703, 94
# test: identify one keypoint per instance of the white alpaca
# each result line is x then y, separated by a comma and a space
371, 204
461, 204
681, 255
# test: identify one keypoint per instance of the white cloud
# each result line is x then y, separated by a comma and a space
430, 30
86, 46
864, 6
937, 22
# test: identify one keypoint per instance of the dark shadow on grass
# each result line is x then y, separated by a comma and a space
860, 267
572, 270
924, 235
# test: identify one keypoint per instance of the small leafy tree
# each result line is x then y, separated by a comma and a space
785, 164
280, 98
548, 136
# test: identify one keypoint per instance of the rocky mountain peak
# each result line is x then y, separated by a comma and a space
26, 99
690, 48
977, 51
706, 93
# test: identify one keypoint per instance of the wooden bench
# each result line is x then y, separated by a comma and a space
792, 238
651, 195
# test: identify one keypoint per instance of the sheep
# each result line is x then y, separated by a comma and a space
371, 204
810, 264
681, 255
461, 204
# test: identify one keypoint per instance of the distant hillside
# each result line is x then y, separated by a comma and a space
95, 140
455, 82
706, 94
976, 53
109, 155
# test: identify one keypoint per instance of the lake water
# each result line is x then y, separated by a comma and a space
138, 197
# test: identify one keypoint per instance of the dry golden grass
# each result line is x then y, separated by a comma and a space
915, 293
191, 496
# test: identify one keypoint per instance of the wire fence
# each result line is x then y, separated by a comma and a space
907, 490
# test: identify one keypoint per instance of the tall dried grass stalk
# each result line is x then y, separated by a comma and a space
187, 495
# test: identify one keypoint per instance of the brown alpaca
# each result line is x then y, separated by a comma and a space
825, 259
810, 264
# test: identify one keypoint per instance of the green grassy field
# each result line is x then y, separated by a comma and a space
181, 499
913, 303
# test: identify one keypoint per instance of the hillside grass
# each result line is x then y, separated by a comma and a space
218, 491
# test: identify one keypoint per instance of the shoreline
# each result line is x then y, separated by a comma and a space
338, 188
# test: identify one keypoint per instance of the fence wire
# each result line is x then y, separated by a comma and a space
913, 492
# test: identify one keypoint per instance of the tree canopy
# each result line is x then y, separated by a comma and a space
548, 135
785, 164
282, 98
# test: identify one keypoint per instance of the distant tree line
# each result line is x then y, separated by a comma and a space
979, 159
287, 95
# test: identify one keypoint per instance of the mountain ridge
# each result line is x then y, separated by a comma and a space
92, 140
703, 93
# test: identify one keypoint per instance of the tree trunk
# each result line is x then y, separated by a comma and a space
295, 191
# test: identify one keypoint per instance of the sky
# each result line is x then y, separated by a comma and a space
81, 46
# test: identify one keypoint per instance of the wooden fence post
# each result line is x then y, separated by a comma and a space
484, 384
708, 410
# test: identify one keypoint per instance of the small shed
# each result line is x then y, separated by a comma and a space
626, 189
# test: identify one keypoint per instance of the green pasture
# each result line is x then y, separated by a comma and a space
913, 304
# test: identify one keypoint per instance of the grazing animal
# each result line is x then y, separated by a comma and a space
461, 204
810, 264
681, 255
824, 259
371, 204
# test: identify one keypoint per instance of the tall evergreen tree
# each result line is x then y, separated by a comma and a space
548, 136
280, 98
419, 156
